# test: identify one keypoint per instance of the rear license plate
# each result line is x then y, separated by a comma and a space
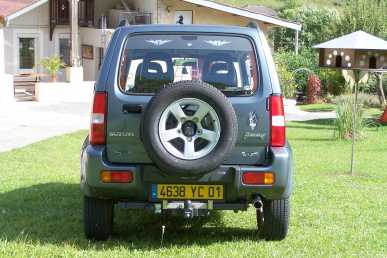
190, 192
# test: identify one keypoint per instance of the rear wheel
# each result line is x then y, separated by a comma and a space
275, 219
97, 218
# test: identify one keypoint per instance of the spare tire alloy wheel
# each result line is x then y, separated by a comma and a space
189, 129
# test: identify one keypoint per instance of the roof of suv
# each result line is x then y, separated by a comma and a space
189, 28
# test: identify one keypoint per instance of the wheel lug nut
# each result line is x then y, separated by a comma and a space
189, 139
178, 131
195, 119
199, 131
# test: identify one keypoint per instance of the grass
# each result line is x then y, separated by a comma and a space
333, 214
329, 107
321, 107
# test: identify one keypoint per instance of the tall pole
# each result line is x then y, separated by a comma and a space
296, 43
354, 118
75, 60
380, 77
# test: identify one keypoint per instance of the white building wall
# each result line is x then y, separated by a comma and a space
102, 7
6, 85
31, 24
93, 37
149, 6
9, 61
36, 17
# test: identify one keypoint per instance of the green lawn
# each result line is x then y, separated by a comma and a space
329, 107
333, 214
321, 107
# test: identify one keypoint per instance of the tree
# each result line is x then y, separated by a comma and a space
367, 15
318, 25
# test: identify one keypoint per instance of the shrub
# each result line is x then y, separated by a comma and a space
369, 100
293, 70
366, 100
333, 82
288, 85
344, 118
52, 65
313, 92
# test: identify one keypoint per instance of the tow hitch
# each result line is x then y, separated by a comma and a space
189, 208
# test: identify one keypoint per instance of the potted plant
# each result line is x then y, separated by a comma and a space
52, 65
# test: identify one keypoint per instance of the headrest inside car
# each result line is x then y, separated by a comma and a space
219, 71
219, 68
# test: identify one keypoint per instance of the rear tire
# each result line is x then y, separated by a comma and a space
97, 218
276, 219
172, 164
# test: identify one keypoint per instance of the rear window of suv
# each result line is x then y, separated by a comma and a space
149, 62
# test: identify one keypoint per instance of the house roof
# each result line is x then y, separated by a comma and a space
10, 9
246, 13
13, 8
356, 40
259, 9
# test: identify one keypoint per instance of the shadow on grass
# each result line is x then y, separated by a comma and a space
317, 122
332, 139
52, 213
321, 109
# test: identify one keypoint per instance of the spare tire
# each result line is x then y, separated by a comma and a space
189, 128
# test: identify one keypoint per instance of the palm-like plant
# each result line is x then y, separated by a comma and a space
52, 65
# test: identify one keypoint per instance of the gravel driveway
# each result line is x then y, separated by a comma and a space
23, 123
293, 113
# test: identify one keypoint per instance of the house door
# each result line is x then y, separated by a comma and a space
27, 53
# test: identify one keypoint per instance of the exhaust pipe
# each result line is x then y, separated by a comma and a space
257, 203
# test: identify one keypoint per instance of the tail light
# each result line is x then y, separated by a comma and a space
116, 176
277, 121
258, 178
98, 119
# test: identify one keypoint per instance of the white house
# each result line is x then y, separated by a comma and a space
34, 29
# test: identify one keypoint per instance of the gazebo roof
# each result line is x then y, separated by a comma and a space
355, 40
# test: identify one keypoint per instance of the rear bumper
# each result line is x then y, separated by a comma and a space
94, 161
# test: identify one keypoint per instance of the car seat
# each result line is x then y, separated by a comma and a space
219, 71
150, 75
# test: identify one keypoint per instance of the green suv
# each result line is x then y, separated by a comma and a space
186, 120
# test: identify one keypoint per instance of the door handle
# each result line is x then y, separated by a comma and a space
131, 108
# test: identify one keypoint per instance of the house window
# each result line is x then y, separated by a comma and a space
63, 10
60, 12
64, 50
26, 53
86, 13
